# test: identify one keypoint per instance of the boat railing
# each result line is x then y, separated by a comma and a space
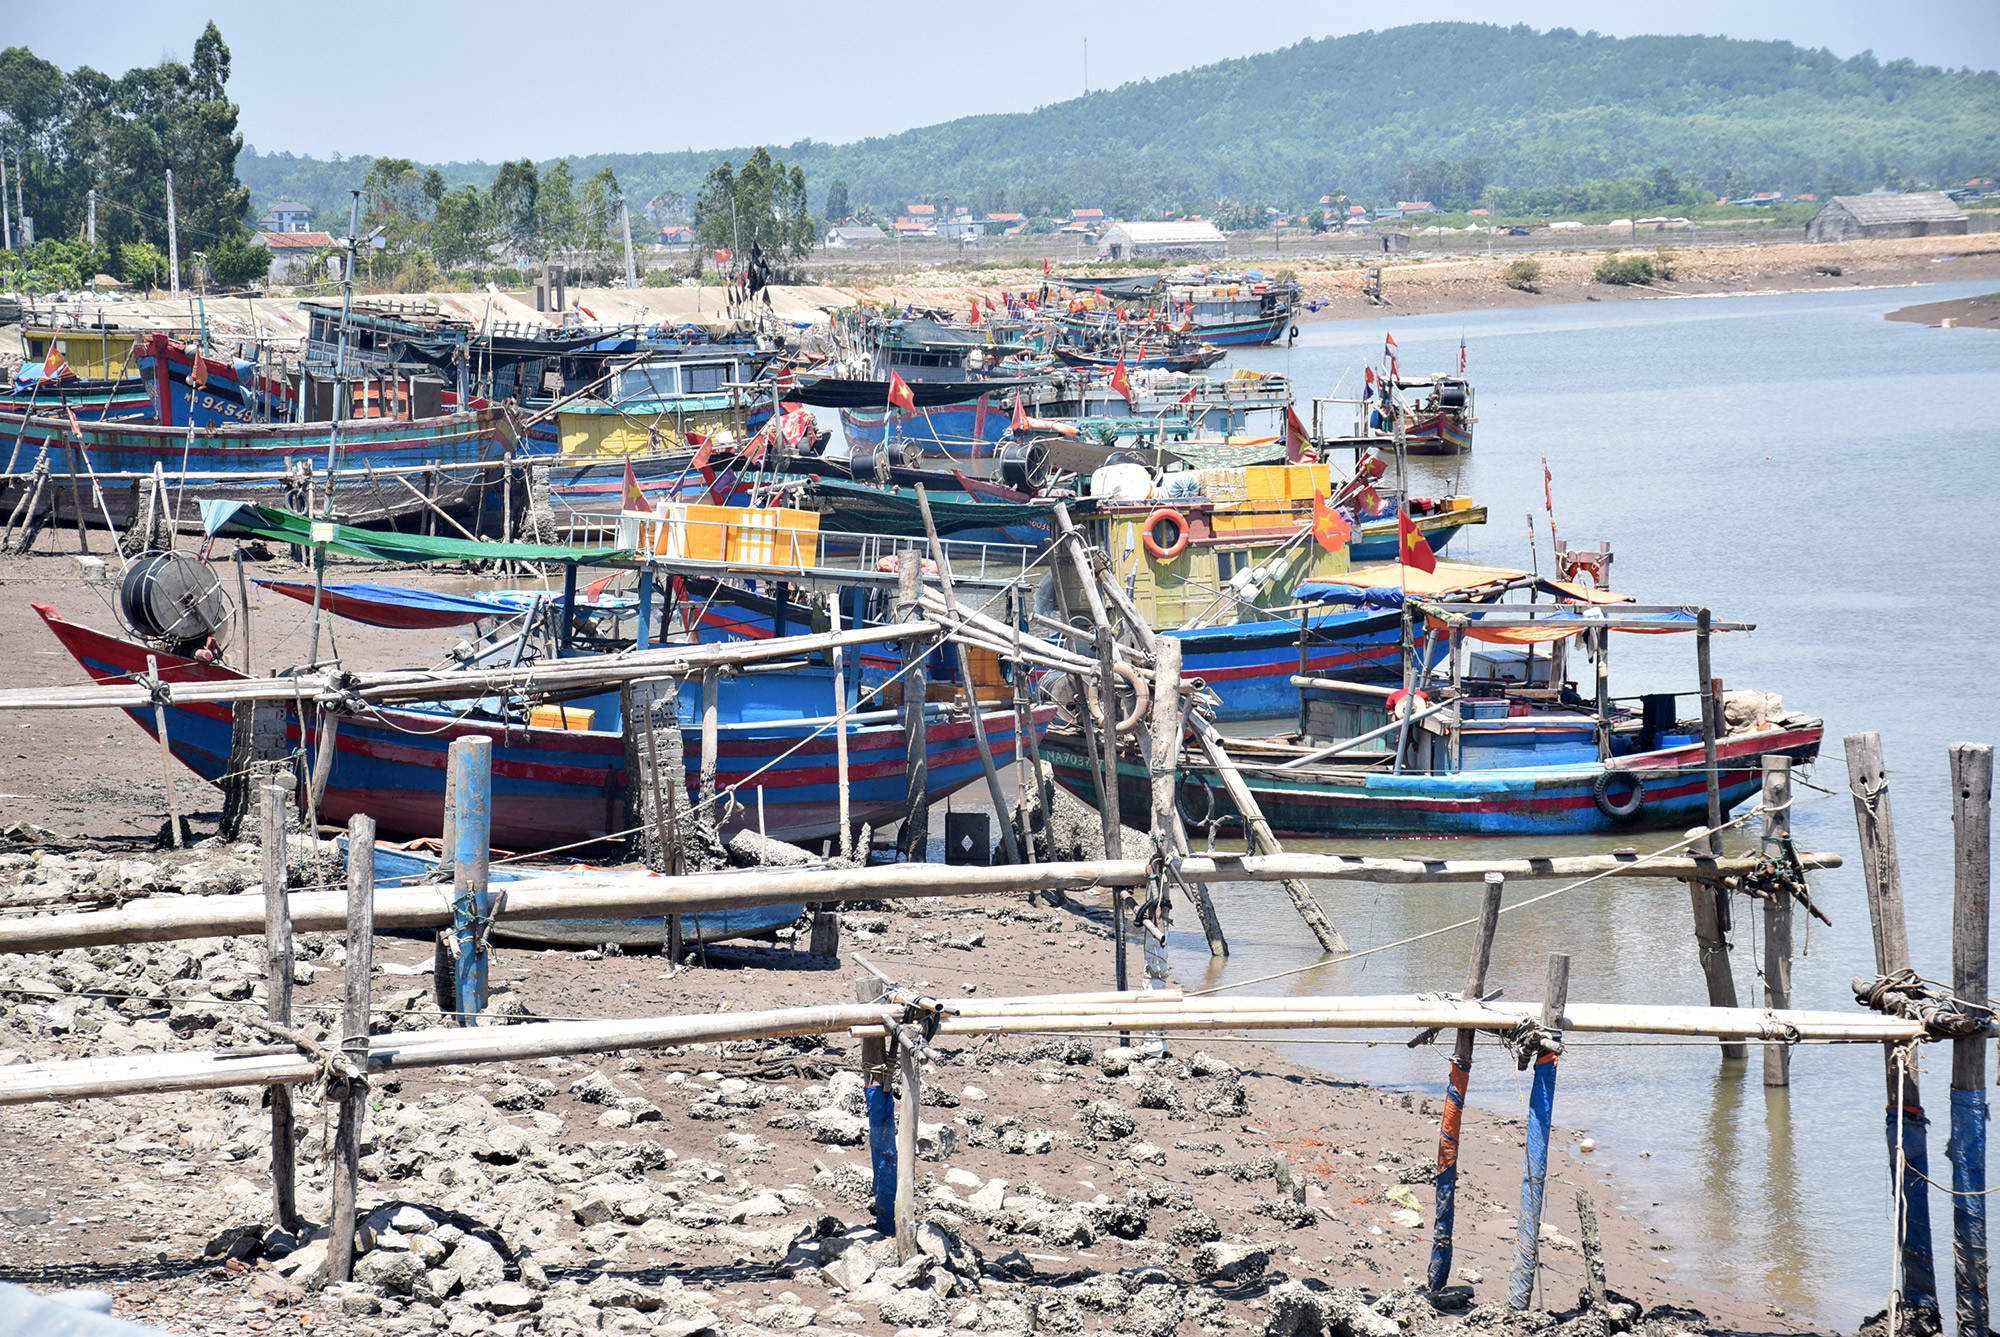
784, 540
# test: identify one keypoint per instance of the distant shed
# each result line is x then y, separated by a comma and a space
1191, 241
1923, 213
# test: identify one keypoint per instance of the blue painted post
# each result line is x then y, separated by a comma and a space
1458, 1076
470, 778
1541, 1108
644, 637
881, 1103
1972, 887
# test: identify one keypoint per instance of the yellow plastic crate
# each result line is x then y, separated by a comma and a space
561, 717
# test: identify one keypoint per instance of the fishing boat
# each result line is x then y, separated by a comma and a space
184, 385
1503, 745
90, 399
1242, 312
554, 785
254, 463
1439, 420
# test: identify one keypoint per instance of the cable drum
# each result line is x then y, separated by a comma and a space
174, 597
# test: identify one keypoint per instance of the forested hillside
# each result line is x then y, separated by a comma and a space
1443, 111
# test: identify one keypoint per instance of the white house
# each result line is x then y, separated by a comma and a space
1136, 241
292, 254
288, 216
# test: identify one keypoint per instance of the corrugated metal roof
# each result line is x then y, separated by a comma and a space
1923, 206
1169, 234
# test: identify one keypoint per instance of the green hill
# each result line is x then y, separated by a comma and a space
1438, 110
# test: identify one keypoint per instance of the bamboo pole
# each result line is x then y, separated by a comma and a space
971, 691
1777, 804
1534, 1175
914, 837
92, 1078
906, 1145
278, 998
566, 895
1108, 797
1457, 1078
166, 754
1972, 886
1909, 1159
346, 1165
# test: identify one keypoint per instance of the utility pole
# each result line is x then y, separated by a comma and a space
625, 225
91, 235
21, 205
173, 239
6, 219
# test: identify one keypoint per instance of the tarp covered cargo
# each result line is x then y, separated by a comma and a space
289, 527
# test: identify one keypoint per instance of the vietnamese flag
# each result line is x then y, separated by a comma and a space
635, 496
1045, 264
973, 319
1411, 550
1122, 383
703, 454
1299, 448
1329, 526
1020, 418
900, 394
989, 307
1188, 398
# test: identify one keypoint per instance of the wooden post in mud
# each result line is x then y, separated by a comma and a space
1703, 895
1972, 887
881, 1107
1777, 802
470, 778
1909, 1158
1456, 1080
278, 998
914, 839
969, 689
710, 741
840, 772
1106, 730
906, 1146
166, 754
1535, 1173
1168, 830
1594, 1299
346, 1164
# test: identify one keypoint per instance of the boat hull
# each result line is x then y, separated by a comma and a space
554, 786
1539, 801
958, 432
1244, 333
1250, 666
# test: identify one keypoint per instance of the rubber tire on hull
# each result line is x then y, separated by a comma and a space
1600, 794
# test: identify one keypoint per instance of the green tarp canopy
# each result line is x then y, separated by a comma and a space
289, 527
863, 508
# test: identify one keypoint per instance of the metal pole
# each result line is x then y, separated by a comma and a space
173, 238
625, 225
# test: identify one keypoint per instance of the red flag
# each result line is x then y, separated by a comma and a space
1548, 484
1461, 355
1188, 398
973, 319
1299, 448
1121, 383
704, 454
1370, 501
1411, 550
760, 443
1045, 264
1122, 316
989, 307
635, 496
900, 393
198, 372
1020, 418
1328, 525
722, 255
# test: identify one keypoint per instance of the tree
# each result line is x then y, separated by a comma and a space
142, 265
837, 210
237, 261
461, 228
517, 203
558, 213
395, 200
762, 207
597, 212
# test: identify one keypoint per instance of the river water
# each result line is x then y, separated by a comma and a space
1793, 461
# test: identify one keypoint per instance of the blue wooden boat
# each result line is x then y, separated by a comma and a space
1375, 540
90, 399
396, 868
1533, 777
1250, 665
556, 786
230, 392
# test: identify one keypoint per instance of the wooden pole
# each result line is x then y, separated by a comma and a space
243, 609
1107, 792
906, 1147
1259, 837
710, 738
1027, 756
1972, 887
840, 732
1595, 1301
470, 776
915, 837
1777, 802
166, 754
1541, 1109
1702, 636
1168, 830
970, 690
1909, 1160
881, 1107
346, 1166
278, 998
1457, 1077
1713, 946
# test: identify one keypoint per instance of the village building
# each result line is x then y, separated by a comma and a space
287, 216
1185, 240
1923, 213
292, 255
853, 234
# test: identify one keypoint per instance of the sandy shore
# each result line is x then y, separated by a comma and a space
1981, 312
666, 1191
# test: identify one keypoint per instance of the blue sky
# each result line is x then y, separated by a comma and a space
447, 81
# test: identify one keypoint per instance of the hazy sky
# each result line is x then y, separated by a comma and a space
500, 79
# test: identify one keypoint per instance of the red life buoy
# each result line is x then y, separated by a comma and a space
1171, 550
